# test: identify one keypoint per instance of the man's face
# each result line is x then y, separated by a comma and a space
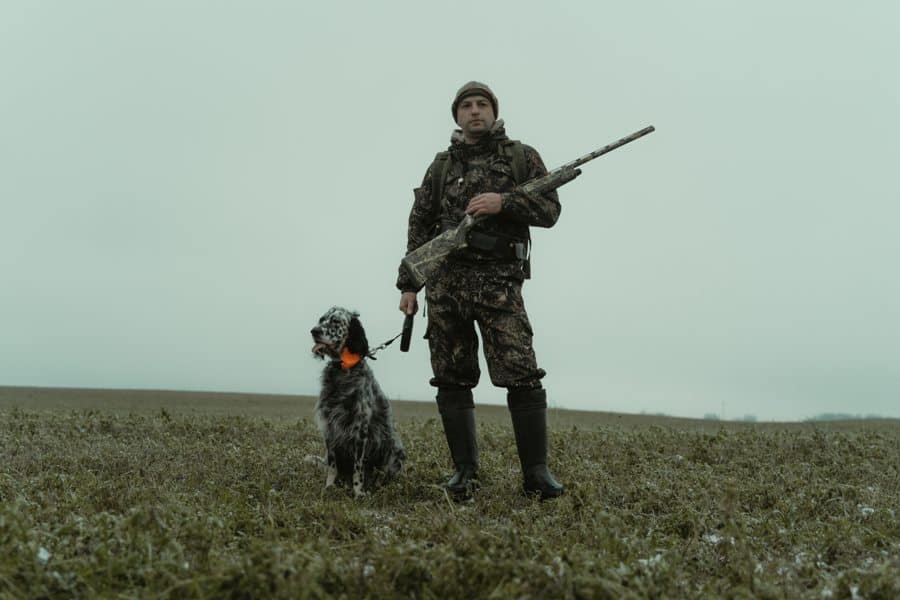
475, 116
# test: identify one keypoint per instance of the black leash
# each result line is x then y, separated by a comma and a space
404, 343
371, 353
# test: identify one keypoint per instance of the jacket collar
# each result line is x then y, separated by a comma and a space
496, 134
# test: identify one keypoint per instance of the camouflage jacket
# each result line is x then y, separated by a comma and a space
476, 169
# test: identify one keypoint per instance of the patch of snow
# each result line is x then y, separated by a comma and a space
652, 561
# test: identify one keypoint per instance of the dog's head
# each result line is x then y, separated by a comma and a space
337, 329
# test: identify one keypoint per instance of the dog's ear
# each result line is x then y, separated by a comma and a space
356, 338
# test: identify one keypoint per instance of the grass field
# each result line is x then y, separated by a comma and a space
152, 494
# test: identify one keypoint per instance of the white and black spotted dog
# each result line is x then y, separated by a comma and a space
352, 412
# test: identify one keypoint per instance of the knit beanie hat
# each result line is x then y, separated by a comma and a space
474, 88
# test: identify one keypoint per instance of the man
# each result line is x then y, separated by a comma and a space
483, 284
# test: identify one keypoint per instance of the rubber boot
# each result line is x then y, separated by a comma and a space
458, 416
528, 409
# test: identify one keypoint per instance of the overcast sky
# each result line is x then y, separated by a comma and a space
186, 186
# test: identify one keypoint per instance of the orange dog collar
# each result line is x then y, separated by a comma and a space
348, 359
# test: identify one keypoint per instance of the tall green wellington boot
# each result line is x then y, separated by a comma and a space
458, 416
528, 409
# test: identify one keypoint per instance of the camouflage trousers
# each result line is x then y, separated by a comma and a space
461, 296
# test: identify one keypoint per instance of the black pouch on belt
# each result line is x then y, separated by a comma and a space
498, 245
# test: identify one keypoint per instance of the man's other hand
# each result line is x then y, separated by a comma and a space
408, 303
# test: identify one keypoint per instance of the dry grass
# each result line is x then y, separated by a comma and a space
170, 498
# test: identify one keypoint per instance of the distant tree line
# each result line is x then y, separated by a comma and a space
715, 417
842, 417
748, 418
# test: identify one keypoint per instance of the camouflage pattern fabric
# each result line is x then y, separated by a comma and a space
475, 169
458, 298
475, 287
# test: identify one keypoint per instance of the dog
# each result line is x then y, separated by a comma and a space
352, 412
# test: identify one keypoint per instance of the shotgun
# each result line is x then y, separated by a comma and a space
421, 263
